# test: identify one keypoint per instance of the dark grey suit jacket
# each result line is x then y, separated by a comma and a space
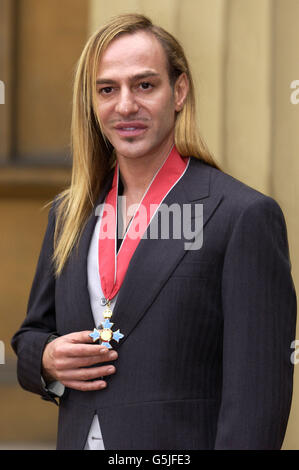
205, 361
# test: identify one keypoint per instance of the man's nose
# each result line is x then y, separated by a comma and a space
126, 104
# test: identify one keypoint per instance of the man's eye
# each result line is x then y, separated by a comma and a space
145, 85
106, 90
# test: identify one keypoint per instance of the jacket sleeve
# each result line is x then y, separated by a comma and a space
29, 341
259, 315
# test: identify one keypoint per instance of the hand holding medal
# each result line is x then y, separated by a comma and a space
68, 359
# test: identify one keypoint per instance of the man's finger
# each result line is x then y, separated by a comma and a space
85, 373
83, 350
74, 362
80, 337
85, 386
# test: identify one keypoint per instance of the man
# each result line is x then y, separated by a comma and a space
196, 354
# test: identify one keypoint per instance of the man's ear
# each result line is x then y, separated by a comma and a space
181, 89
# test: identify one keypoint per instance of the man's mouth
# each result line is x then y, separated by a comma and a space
131, 129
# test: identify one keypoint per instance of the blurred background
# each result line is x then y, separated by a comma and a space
244, 57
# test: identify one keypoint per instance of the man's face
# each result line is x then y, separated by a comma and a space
135, 102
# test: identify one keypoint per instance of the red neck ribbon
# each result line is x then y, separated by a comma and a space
112, 266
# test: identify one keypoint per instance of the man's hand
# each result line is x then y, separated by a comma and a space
67, 358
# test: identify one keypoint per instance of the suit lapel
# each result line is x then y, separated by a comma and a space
154, 260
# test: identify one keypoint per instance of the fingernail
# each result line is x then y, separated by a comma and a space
110, 370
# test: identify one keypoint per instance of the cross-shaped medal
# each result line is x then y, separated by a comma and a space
104, 332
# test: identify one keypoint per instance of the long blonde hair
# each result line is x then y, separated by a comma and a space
93, 155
